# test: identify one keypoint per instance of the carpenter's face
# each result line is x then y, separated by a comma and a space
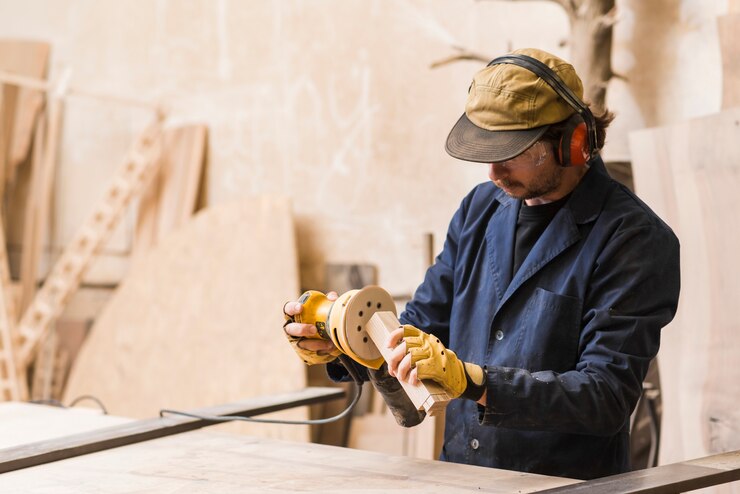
534, 173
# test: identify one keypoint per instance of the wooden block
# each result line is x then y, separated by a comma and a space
428, 395
688, 174
198, 320
729, 39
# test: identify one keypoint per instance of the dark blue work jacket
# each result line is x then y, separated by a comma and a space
566, 341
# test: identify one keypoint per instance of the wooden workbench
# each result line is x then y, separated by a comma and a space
81, 451
215, 462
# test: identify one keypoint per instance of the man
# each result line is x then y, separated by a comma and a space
544, 309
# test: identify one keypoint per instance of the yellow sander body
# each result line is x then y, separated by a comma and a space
343, 320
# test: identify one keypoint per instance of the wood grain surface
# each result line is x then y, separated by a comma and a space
209, 462
690, 173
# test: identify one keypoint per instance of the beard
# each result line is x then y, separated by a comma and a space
547, 181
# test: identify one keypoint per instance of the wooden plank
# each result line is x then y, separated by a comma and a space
44, 367
208, 319
21, 105
170, 200
69, 446
689, 173
210, 462
38, 206
11, 387
668, 479
428, 395
729, 40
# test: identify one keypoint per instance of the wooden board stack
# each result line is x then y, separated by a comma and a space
197, 320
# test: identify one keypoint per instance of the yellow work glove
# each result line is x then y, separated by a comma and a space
433, 361
310, 357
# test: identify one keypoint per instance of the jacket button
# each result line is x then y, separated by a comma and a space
474, 444
499, 335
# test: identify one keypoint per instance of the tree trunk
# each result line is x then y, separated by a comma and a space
591, 23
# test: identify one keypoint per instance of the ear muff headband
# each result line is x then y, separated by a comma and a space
556, 83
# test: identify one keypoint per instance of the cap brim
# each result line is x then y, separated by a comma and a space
469, 142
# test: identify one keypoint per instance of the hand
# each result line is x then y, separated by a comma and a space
418, 355
310, 350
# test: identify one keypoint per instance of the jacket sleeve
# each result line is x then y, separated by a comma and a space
633, 293
430, 308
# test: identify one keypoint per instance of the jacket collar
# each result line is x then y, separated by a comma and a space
584, 206
588, 197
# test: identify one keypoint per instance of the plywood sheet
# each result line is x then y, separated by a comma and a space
198, 320
690, 173
729, 39
208, 462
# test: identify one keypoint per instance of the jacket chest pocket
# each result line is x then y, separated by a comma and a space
549, 333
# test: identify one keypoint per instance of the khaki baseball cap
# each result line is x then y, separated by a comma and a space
509, 108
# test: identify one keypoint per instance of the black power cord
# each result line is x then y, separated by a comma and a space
348, 363
74, 402
90, 398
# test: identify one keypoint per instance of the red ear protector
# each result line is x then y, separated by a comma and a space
578, 144
574, 148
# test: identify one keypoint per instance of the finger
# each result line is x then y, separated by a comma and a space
394, 338
414, 377
396, 356
299, 329
332, 296
293, 308
404, 368
313, 345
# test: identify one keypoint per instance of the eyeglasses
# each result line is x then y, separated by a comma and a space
532, 157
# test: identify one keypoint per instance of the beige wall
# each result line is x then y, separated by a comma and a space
668, 51
333, 102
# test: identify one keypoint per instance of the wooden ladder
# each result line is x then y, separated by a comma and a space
66, 274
